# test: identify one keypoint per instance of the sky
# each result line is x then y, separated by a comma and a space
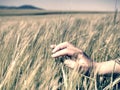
79, 5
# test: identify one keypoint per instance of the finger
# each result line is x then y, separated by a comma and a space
70, 63
60, 53
60, 46
52, 46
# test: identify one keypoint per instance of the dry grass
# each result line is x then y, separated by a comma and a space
25, 54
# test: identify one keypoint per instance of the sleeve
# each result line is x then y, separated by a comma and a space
117, 60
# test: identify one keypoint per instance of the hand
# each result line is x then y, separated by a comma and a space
66, 49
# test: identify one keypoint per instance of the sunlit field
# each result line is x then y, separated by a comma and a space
25, 53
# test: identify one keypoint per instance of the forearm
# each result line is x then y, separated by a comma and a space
106, 67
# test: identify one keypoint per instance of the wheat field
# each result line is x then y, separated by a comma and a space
25, 54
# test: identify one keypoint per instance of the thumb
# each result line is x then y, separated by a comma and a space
70, 63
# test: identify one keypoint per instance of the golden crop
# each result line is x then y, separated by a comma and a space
25, 54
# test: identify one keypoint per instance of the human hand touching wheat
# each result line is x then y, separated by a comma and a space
80, 62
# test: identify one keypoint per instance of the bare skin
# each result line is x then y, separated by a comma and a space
84, 63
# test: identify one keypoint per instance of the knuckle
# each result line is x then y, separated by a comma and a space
66, 50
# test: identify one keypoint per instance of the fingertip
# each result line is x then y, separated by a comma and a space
52, 46
53, 51
53, 56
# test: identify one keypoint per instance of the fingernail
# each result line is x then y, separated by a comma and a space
52, 56
51, 46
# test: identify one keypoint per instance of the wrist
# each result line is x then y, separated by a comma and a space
95, 67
